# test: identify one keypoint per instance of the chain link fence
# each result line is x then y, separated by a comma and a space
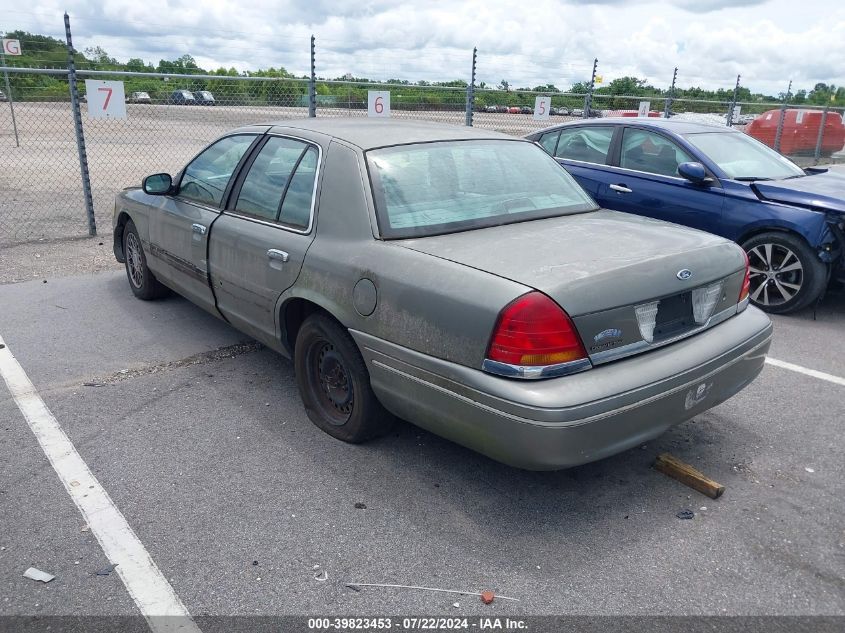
170, 117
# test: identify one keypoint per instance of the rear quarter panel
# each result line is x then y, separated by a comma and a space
423, 303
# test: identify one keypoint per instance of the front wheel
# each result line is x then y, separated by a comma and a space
786, 275
334, 383
142, 281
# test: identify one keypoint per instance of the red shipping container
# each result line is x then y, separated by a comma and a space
800, 131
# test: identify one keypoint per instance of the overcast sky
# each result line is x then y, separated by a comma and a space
528, 43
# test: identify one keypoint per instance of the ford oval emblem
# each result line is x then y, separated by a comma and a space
684, 274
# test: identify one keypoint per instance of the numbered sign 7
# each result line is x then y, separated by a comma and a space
106, 99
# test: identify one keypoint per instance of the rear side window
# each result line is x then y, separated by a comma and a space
280, 183
206, 177
588, 144
549, 141
650, 152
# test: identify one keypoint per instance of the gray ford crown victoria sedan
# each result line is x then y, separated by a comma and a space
454, 277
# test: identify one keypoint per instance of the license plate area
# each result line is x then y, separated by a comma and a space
674, 317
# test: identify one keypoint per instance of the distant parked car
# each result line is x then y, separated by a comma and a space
526, 110
139, 97
790, 221
182, 97
491, 108
204, 97
513, 110
502, 109
3, 96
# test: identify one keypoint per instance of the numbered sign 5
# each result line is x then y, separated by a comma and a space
11, 47
378, 103
106, 99
542, 105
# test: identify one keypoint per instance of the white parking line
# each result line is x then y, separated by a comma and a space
143, 579
836, 380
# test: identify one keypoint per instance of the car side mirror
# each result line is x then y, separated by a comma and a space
695, 173
157, 184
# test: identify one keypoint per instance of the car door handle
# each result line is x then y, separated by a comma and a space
278, 255
198, 228
621, 188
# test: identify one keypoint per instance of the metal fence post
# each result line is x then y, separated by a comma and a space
471, 91
779, 132
312, 85
818, 153
667, 109
588, 100
80, 136
9, 96
732, 106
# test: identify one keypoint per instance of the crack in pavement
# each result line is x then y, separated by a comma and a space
211, 356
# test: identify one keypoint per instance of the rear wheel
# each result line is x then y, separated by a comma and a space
142, 281
334, 383
786, 275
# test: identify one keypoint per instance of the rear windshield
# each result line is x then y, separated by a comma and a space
435, 188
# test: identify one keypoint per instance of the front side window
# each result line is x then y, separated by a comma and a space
588, 144
652, 153
742, 157
205, 179
445, 187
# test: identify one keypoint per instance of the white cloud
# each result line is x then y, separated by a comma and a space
711, 41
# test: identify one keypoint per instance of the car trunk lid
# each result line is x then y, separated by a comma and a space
601, 267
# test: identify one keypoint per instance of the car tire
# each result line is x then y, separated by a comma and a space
800, 283
334, 383
142, 281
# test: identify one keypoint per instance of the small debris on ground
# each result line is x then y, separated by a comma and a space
105, 571
685, 514
36, 574
2, 346
85, 528
357, 587
360, 506
321, 576
255, 563
457, 605
809, 470
487, 597
93, 384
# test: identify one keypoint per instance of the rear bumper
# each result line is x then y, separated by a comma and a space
563, 422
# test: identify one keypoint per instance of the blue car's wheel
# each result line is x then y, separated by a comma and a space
786, 275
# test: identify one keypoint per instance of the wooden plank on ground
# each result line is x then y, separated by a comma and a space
687, 475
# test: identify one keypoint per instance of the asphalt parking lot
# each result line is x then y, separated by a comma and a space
198, 437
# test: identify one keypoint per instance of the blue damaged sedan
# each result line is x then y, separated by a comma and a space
790, 221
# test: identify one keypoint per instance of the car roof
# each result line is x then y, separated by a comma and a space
371, 133
670, 125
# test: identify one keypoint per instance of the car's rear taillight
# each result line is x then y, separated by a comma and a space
746, 284
533, 331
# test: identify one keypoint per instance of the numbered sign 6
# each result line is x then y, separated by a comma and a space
106, 99
378, 103
541, 108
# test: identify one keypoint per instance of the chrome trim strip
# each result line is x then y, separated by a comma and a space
606, 356
529, 372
